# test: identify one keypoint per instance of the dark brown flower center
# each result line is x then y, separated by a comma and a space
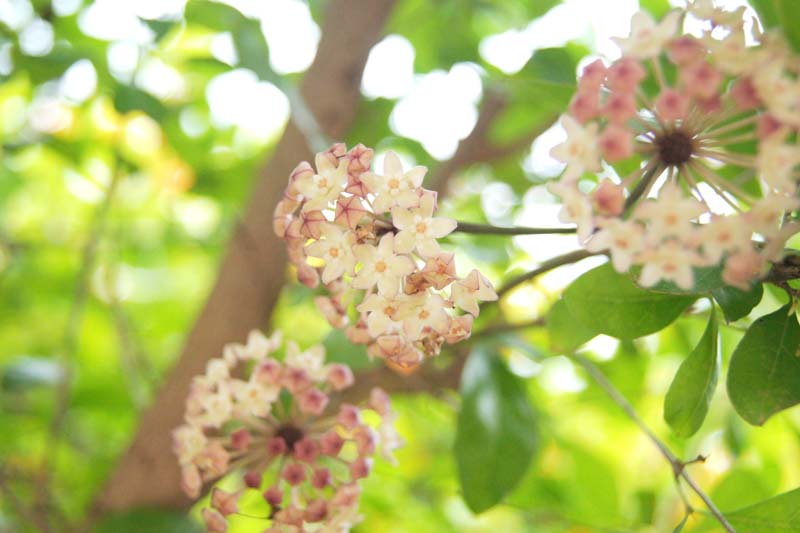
674, 148
290, 434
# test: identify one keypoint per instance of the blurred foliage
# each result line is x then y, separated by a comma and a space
110, 144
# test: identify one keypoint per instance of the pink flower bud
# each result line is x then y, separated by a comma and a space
224, 502
305, 450
252, 479
619, 107
685, 49
276, 446
340, 376
313, 401
365, 439
296, 380
745, 94
331, 443
593, 74
191, 482
585, 105
274, 496
743, 267
316, 511
349, 416
625, 74
616, 143
214, 521
307, 275
701, 79
609, 198
380, 402
294, 474
321, 478
360, 468
240, 439
672, 104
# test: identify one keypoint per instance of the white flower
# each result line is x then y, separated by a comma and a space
311, 360
724, 234
576, 207
670, 215
422, 311
669, 262
322, 188
336, 248
380, 265
466, 293
622, 238
647, 37
419, 229
776, 162
253, 397
394, 188
382, 315
580, 151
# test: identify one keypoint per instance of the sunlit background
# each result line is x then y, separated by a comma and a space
124, 96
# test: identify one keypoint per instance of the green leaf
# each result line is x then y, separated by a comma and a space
764, 372
780, 514
552, 65
780, 14
688, 398
611, 303
127, 98
736, 303
706, 279
566, 334
251, 46
496, 434
657, 8
148, 520
213, 15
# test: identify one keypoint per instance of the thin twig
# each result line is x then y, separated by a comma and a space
72, 330
546, 266
678, 466
486, 229
29, 516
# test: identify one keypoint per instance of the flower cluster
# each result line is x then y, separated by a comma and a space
695, 142
372, 241
274, 429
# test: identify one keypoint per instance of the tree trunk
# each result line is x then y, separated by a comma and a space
252, 271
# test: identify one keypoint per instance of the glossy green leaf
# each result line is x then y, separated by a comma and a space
764, 372
706, 279
780, 14
780, 514
689, 395
496, 434
566, 333
736, 303
611, 303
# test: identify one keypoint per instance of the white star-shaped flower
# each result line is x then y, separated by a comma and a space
395, 187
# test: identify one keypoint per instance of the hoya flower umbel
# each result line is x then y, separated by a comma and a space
271, 428
372, 238
697, 139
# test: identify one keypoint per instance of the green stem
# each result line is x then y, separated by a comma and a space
550, 264
486, 229
678, 466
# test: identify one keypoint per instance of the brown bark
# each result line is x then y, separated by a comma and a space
252, 271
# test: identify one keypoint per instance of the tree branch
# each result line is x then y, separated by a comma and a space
546, 266
477, 146
678, 466
485, 229
252, 272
